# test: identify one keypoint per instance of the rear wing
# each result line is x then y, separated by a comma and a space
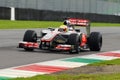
80, 22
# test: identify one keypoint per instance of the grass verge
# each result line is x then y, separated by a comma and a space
105, 24
105, 63
7, 24
74, 77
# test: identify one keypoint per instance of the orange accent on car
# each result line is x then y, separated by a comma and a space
83, 40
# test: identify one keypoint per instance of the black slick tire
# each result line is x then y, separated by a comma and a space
95, 41
30, 36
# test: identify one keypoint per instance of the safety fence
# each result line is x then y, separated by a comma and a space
33, 14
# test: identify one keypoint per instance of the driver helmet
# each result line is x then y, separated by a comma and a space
64, 27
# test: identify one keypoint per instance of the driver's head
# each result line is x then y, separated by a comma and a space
64, 27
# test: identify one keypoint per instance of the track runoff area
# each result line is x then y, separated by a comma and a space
48, 67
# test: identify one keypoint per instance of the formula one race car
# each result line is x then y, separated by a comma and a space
63, 38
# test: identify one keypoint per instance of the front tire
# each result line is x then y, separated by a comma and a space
95, 41
30, 36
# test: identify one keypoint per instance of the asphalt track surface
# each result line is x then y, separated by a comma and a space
11, 56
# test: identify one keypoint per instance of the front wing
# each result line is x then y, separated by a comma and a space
32, 45
28, 45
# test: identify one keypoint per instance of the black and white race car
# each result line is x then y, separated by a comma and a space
57, 39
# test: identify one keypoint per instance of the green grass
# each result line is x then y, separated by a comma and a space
105, 63
7, 24
74, 77
105, 24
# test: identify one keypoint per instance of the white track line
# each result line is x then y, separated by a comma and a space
62, 64
18, 73
118, 51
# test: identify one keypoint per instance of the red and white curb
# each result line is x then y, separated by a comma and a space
53, 66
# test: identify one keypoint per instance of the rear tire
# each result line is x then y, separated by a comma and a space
95, 41
74, 40
30, 36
